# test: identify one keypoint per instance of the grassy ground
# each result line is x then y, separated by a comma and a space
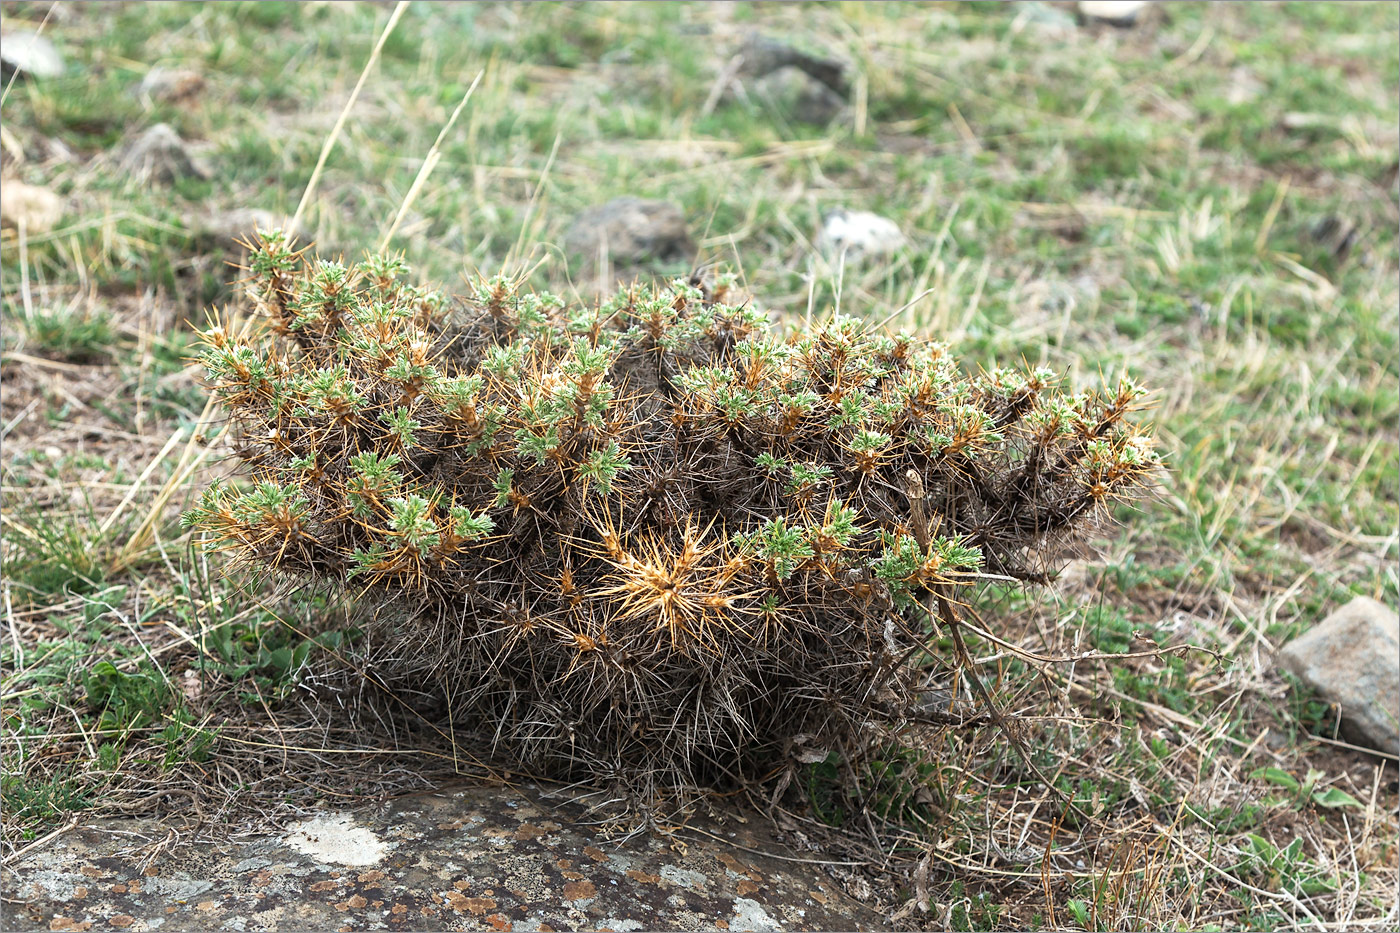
1175, 199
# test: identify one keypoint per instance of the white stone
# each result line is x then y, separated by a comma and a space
859, 234
622, 926
30, 54
36, 209
334, 839
1117, 12
1050, 22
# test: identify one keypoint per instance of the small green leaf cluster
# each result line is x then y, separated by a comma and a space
908, 569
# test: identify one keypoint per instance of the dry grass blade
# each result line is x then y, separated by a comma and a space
136, 486
334, 134
530, 206
197, 449
429, 163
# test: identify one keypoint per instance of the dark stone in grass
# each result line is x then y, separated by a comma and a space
763, 55
30, 55
160, 155
170, 85
1337, 234
796, 95
627, 231
481, 858
790, 83
1352, 658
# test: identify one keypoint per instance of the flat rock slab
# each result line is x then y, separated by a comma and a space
475, 859
1352, 658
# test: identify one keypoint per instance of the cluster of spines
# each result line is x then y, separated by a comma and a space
649, 526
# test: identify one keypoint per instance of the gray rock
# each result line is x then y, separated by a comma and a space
1352, 658
29, 54
227, 231
170, 85
796, 95
789, 82
629, 231
160, 155
480, 858
764, 55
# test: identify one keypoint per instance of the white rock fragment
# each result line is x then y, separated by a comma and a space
683, 877
1113, 12
858, 234
29, 54
334, 839
37, 210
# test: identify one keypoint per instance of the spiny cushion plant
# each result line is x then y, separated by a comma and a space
648, 538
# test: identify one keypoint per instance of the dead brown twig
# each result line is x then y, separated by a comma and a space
941, 607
